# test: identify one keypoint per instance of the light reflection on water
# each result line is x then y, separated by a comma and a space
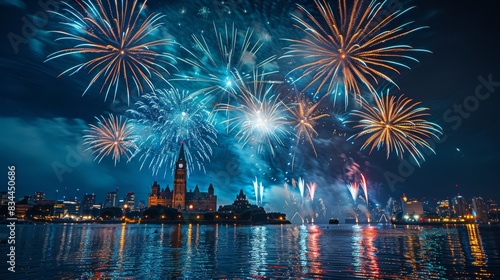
227, 251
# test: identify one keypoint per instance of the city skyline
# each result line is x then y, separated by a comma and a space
45, 116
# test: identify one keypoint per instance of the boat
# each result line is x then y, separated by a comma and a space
333, 221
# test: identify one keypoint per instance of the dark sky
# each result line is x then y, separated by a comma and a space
42, 116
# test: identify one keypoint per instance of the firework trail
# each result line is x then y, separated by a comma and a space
301, 187
354, 190
167, 118
312, 189
256, 190
116, 43
111, 135
350, 47
261, 193
396, 123
364, 186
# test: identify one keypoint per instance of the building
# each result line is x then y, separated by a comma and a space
443, 209
479, 210
459, 207
179, 198
239, 205
4, 198
88, 201
22, 206
38, 196
111, 200
412, 207
129, 202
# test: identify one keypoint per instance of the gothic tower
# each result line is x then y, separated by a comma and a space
179, 195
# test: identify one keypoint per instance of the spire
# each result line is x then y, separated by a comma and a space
181, 153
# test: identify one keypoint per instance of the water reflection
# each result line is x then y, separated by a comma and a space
314, 250
230, 251
364, 251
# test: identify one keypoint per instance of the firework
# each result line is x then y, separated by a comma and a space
214, 61
305, 117
312, 189
116, 43
364, 186
351, 48
301, 187
256, 190
396, 123
354, 190
261, 189
259, 117
169, 117
111, 135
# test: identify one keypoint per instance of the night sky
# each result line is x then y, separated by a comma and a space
42, 116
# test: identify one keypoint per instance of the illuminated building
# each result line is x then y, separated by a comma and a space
22, 206
4, 198
443, 208
130, 201
479, 210
179, 198
412, 209
111, 200
493, 211
38, 196
459, 207
88, 201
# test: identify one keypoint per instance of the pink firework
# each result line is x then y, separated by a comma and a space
312, 189
364, 185
353, 189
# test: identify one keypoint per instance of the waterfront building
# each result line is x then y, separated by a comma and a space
22, 206
443, 209
179, 198
88, 201
38, 196
459, 207
479, 210
4, 198
130, 201
111, 200
412, 208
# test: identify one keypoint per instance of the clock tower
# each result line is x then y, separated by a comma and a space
179, 194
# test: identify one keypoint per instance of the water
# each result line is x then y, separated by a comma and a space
57, 251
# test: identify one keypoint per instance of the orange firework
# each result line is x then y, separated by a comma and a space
396, 123
116, 43
111, 136
305, 116
351, 48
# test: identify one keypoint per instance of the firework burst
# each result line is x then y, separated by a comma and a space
259, 117
111, 135
353, 190
115, 42
351, 48
167, 118
396, 123
215, 61
305, 117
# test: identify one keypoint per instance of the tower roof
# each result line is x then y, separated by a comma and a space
181, 153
